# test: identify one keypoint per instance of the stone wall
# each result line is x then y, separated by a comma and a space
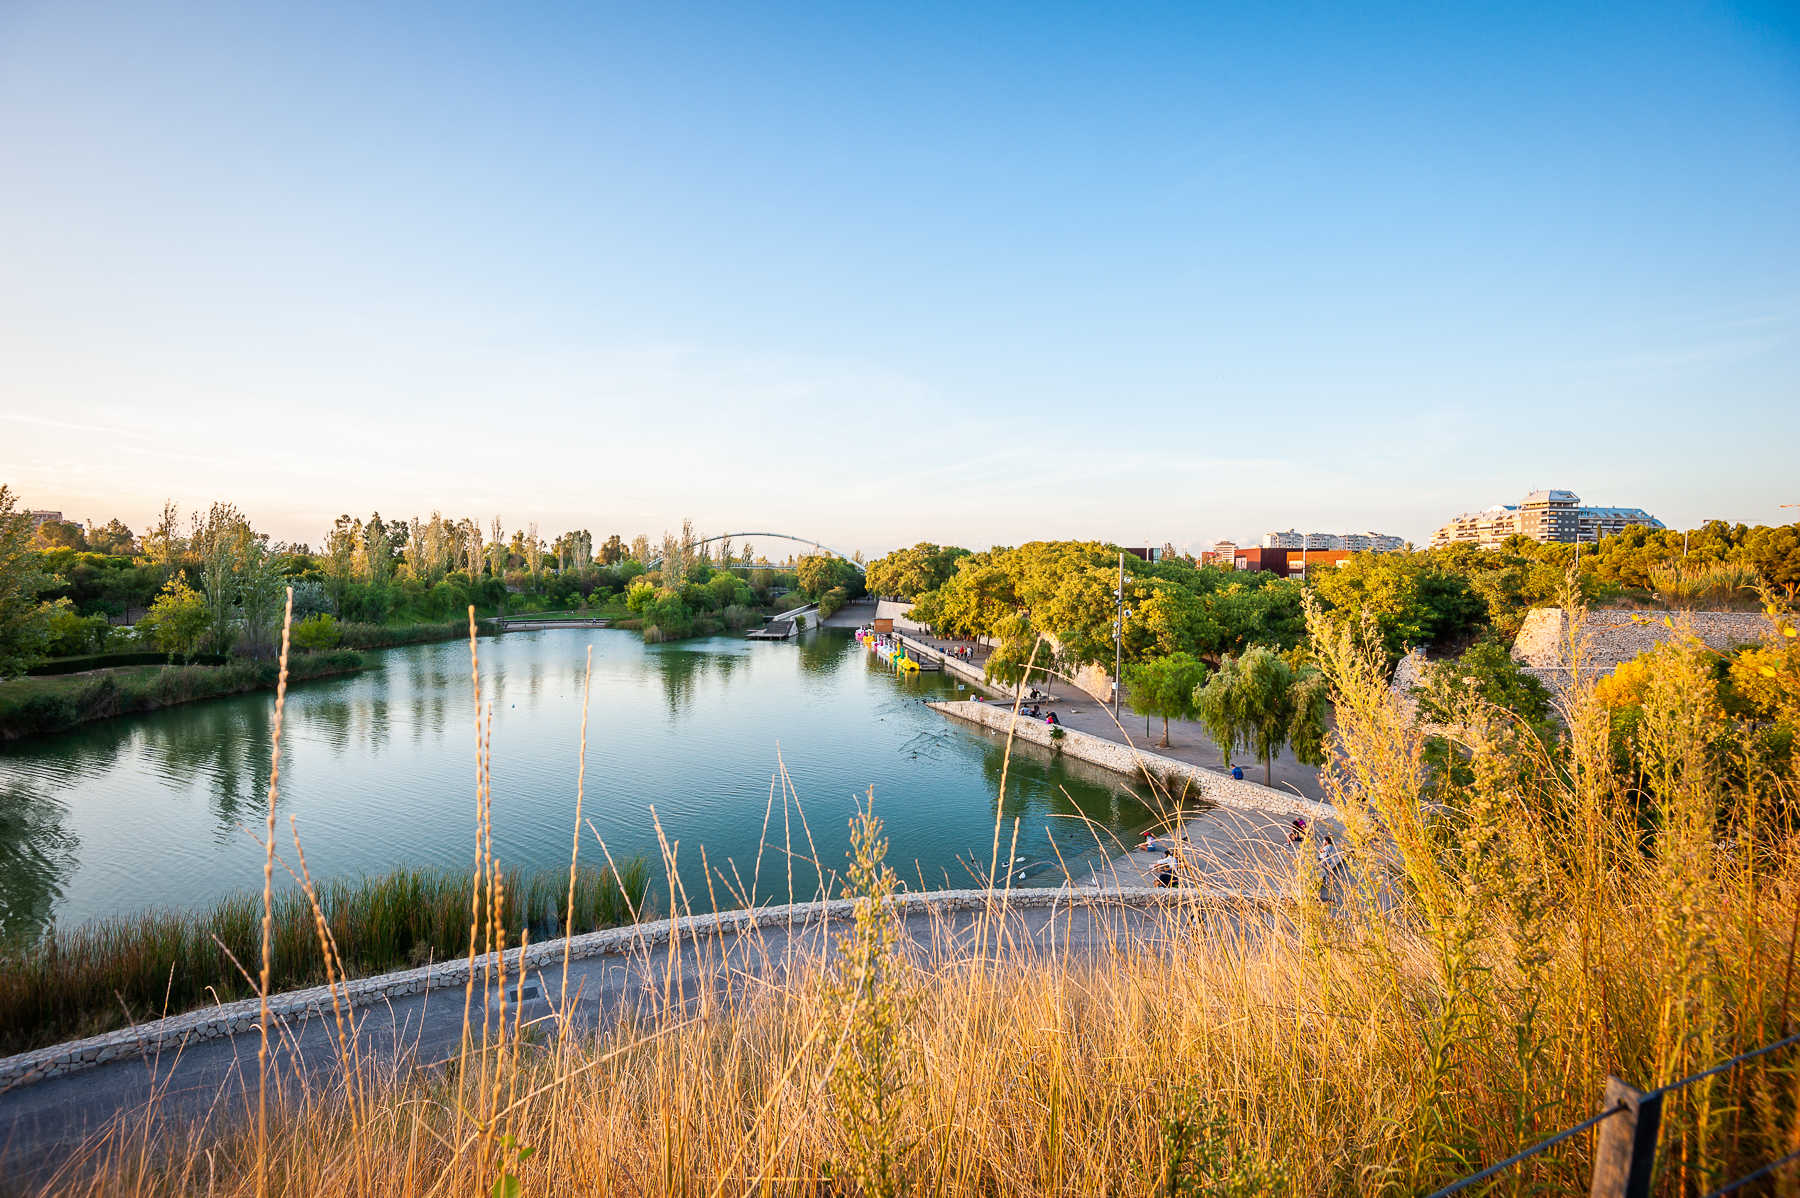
1614, 637
230, 1019
1123, 759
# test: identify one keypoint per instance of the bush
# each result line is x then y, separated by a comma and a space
317, 632
35, 706
70, 633
107, 661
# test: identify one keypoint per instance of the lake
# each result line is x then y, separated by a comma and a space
163, 809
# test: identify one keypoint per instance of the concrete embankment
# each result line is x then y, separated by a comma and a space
1177, 777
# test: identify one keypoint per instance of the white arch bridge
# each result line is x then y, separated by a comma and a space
779, 536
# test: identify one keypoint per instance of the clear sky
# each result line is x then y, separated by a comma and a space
883, 273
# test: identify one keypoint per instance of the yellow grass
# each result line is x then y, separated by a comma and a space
1546, 923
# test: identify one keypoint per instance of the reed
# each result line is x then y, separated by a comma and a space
1506, 939
110, 972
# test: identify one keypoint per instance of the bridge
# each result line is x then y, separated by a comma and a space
779, 536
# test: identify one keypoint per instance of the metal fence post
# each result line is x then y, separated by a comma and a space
1625, 1150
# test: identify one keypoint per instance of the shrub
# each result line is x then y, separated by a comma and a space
318, 632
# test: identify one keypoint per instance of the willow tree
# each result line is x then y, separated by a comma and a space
1167, 687
1261, 703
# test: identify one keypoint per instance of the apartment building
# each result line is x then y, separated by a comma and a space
1549, 515
1349, 542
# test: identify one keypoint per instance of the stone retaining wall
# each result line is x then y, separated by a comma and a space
1084, 746
1615, 637
229, 1019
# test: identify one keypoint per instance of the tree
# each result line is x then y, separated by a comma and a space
221, 541
112, 537
497, 550
177, 620
1166, 687
1486, 669
908, 573
1261, 703
345, 550
612, 552
262, 588
22, 616
61, 534
164, 545
820, 573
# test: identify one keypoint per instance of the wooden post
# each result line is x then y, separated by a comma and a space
1625, 1150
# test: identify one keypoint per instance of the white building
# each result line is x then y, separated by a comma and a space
1351, 542
1548, 515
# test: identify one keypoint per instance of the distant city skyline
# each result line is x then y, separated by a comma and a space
968, 274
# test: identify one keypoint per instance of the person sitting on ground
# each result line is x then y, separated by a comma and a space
1052, 720
1164, 875
1329, 857
1297, 830
1149, 845
1237, 773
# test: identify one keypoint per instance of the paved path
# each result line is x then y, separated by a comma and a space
214, 1081
1188, 741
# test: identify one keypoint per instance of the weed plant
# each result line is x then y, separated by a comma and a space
1499, 945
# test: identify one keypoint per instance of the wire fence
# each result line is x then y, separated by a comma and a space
1637, 1157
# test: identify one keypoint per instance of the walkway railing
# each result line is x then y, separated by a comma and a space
1630, 1122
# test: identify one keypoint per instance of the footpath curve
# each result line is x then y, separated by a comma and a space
193, 1064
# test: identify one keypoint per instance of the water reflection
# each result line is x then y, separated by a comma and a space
224, 745
37, 852
150, 809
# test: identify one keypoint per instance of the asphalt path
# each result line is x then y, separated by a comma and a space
213, 1083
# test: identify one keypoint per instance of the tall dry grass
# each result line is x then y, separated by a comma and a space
1493, 956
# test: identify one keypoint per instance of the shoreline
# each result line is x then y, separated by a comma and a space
1238, 841
23, 700
70, 701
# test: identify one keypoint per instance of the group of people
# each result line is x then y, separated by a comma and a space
1038, 713
1163, 872
1333, 867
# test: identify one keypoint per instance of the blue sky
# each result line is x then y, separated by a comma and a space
880, 274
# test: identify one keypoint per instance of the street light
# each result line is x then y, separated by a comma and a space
1119, 635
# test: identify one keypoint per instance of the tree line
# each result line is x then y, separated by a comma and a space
211, 584
1232, 649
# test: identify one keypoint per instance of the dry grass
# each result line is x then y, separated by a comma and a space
1492, 960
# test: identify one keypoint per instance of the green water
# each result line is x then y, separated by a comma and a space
378, 770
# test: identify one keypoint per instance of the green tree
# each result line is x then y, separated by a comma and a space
819, 573
319, 631
345, 551
1486, 670
1259, 702
164, 544
112, 537
22, 616
177, 620
908, 573
61, 534
217, 540
1166, 687
262, 592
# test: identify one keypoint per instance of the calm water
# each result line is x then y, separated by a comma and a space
378, 770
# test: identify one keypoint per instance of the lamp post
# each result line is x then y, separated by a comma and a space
1118, 632
1119, 614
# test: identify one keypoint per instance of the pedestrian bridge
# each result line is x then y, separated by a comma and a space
779, 536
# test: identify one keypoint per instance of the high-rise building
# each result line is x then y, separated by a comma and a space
1543, 516
1352, 542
